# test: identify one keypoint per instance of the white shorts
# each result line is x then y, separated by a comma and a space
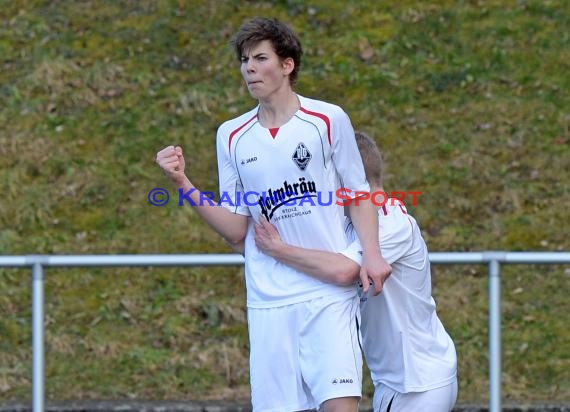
304, 354
435, 400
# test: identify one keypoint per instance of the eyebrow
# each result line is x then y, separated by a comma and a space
255, 55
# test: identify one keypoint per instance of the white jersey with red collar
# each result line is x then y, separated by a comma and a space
405, 344
291, 176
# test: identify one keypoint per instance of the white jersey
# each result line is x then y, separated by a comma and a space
404, 342
291, 176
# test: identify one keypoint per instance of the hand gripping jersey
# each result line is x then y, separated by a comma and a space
404, 342
290, 176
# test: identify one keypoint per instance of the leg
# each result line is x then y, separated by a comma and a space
331, 359
275, 375
347, 404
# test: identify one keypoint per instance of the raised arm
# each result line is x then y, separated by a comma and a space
326, 266
231, 226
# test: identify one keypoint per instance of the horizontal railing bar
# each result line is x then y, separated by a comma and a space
500, 256
215, 259
124, 260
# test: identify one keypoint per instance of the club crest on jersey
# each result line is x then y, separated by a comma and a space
301, 156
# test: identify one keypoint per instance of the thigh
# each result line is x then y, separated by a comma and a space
434, 400
331, 359
275, 374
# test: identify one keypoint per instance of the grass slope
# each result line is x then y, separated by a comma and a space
468, 99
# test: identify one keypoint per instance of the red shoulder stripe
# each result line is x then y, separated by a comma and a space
232, 134
324, 118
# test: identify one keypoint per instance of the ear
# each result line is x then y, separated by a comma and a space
288, 65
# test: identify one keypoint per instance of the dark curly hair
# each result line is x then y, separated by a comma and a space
284, 40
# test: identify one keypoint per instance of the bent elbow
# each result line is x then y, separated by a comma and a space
345, 273
343, 278
234, 242
237, 244
236, 237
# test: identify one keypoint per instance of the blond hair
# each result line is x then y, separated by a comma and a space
371, 158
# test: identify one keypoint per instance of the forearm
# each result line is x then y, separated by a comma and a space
232, 227
374, 270
364, 217
327, 266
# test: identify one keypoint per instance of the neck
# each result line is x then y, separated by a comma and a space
277, 112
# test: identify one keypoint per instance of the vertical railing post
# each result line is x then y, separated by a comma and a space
38, 365
494, 336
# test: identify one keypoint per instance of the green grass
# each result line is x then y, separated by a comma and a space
468, 100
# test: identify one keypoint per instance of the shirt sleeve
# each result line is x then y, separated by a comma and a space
395, 238
231, 189
346, 156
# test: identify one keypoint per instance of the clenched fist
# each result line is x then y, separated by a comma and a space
171, 161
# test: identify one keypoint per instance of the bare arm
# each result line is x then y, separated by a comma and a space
230, 226
238, 247
375, 269
326, 266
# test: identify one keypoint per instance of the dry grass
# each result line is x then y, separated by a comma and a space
467, 99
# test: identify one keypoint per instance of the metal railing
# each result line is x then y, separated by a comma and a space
493, 259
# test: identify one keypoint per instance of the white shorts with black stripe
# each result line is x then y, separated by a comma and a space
304, 354
434, 400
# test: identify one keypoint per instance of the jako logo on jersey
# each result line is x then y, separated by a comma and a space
342, 380
301, 156
275, 198
250, 160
